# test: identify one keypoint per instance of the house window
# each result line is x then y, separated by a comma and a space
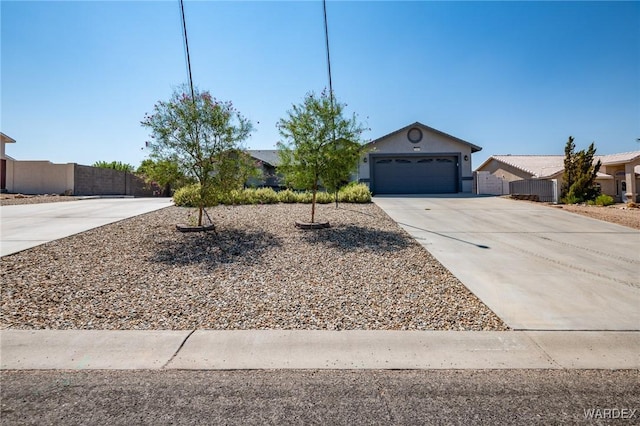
414, 135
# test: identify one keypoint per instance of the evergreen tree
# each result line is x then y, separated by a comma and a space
580, 173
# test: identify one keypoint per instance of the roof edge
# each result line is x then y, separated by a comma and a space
6, 139
474, 148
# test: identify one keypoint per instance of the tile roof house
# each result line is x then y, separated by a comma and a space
619, 174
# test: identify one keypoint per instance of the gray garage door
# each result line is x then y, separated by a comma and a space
415, 175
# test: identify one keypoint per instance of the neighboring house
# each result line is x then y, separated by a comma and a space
268, 160
45, 177
4, 139
618, 175
417, 159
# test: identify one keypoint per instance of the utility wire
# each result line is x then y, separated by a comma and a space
333, 118
326, 38
186, 46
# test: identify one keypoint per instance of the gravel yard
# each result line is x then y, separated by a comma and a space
259, 272
14, 199
619, 214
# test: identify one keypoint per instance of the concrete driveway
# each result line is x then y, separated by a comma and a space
28, 225
536, 267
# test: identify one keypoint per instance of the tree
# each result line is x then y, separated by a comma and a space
580, 172
320, 145
165, 173
114, 165
199, 134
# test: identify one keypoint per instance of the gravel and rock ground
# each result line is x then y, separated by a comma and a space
14, 199
257, 272
619, 213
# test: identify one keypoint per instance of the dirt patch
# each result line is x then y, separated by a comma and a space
619, 213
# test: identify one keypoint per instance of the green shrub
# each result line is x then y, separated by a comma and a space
287, 196
265, 195
357, 193
189, 196
570, 199
324, 197
604, 200
304, 197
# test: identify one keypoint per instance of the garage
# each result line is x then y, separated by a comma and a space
417, 159
415, 174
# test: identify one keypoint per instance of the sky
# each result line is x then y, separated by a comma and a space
77, 77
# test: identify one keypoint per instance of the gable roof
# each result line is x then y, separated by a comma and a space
546, 166
6, 139
269, 156
474, 148
540, 166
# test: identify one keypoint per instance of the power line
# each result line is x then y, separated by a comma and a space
186, 45
326, 38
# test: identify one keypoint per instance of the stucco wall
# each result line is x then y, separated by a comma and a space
431, 143
39, 177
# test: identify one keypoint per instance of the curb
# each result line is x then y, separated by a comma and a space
302, 349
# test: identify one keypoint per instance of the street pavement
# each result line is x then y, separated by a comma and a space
28, 225
536, 267
327, 397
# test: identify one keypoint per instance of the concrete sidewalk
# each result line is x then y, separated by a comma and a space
28, 225
305, 349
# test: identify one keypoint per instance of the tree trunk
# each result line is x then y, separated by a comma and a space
202, 202
313, 204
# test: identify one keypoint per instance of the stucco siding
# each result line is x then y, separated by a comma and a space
431, 143
39, 177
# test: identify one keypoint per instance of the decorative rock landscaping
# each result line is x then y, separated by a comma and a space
257, 272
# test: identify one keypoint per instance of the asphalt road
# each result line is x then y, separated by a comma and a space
319, 397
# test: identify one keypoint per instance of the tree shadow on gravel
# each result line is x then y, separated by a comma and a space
353, 237
211, 250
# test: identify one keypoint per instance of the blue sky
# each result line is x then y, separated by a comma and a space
512, 77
